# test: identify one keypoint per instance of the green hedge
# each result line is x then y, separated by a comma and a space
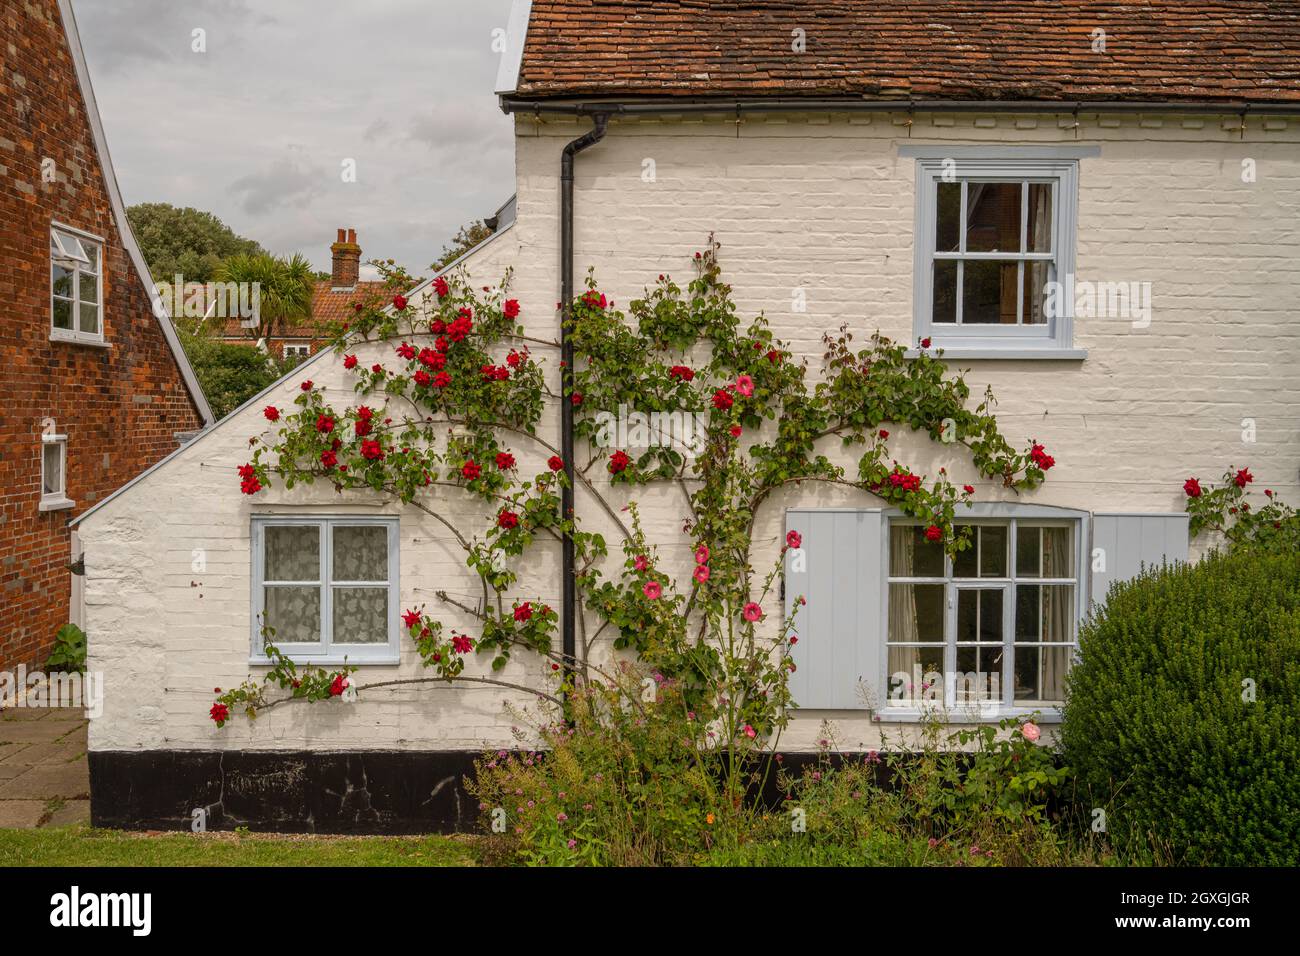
1157, 726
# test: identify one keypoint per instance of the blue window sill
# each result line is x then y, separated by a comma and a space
913, 715
307, 660
992, 353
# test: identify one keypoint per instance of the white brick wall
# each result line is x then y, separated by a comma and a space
821, 203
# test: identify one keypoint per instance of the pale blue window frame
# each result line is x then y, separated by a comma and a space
327, 651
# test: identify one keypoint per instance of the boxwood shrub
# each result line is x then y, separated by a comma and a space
1182, 717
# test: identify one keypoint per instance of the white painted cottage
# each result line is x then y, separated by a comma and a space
1092, 208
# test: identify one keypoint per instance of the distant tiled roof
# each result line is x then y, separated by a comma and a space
328, 305
1156, 50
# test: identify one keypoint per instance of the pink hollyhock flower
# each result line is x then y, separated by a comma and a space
750, 731
652, 590
702, 554
752, 612
640, 563
794, 539
701, 573
745, 385
1030, 731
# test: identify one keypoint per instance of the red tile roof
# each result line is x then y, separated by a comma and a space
328, 305
1156, 50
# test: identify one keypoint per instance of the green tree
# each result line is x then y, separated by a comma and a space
187, 241
286, 287
466, 238
229, 374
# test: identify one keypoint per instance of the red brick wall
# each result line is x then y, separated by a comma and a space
120, 407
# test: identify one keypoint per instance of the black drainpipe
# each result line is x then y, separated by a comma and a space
569, 620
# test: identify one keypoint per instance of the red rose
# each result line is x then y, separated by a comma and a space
306, 386
1244, 477
722, 400
441, 380
272, 413
324, 424
505, 460
618, 462
516, 359
555, 463
735, 431
1041, 458
377, 369
511, 309
440, 286
365, 412
349, 361
328, 458
681, 372
399, 302
576, 398
371, 450
337, 685
406, 351
507, 520
1192, 488
774, 356
969, 489
437, 326
925, 342
524, 611
248, 483
461, 644
220, 713
470, 470
410, 618
422, 378
883, 434
933, 533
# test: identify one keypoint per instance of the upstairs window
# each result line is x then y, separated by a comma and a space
993, 237
76, 286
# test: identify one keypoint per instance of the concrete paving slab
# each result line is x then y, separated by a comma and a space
21, 814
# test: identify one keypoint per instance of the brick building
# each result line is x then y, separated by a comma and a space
96, 387
332, 302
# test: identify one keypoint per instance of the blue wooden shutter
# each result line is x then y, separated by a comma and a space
840, 643
1130, 541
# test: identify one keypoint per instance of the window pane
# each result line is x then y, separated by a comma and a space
1028, 551
89, 318
62, 314
993, 551
1037, 276
52, 469
979, 673
360, 616
360, 553
989, 292
916, 613
1038, 234
993, 217
1044, 552
88, 286
62, 281
1045, 612
979, 615
294, 613
910, 668
292, 553
945, 290
911, 555
965, 564
1040, 673
948, 217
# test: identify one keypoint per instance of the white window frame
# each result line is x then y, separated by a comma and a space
326, 651
301, 349
1051, 340
960, 711
72, 256
56, 500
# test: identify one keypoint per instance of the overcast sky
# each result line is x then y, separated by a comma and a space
256, 128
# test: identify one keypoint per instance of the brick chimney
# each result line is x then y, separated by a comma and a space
347, 260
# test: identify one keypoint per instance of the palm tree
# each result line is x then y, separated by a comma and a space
285, 288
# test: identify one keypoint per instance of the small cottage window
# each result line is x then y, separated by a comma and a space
993, 628
994, 260
76, 286
297, 351
326, 589
54, 467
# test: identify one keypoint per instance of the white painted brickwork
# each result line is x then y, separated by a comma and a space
823, 204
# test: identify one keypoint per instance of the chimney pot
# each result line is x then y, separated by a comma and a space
346, 266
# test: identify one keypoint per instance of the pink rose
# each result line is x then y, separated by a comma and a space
1030, 731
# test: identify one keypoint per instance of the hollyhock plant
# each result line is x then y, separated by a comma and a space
793, 539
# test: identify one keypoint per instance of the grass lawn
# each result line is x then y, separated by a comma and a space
83, 846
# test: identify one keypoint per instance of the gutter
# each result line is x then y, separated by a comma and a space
736, 107
568, 623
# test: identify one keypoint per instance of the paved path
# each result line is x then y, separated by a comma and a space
44, 778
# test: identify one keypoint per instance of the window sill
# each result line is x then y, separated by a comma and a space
912, 715
57, 504
305, 660
993, 353
66, 339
